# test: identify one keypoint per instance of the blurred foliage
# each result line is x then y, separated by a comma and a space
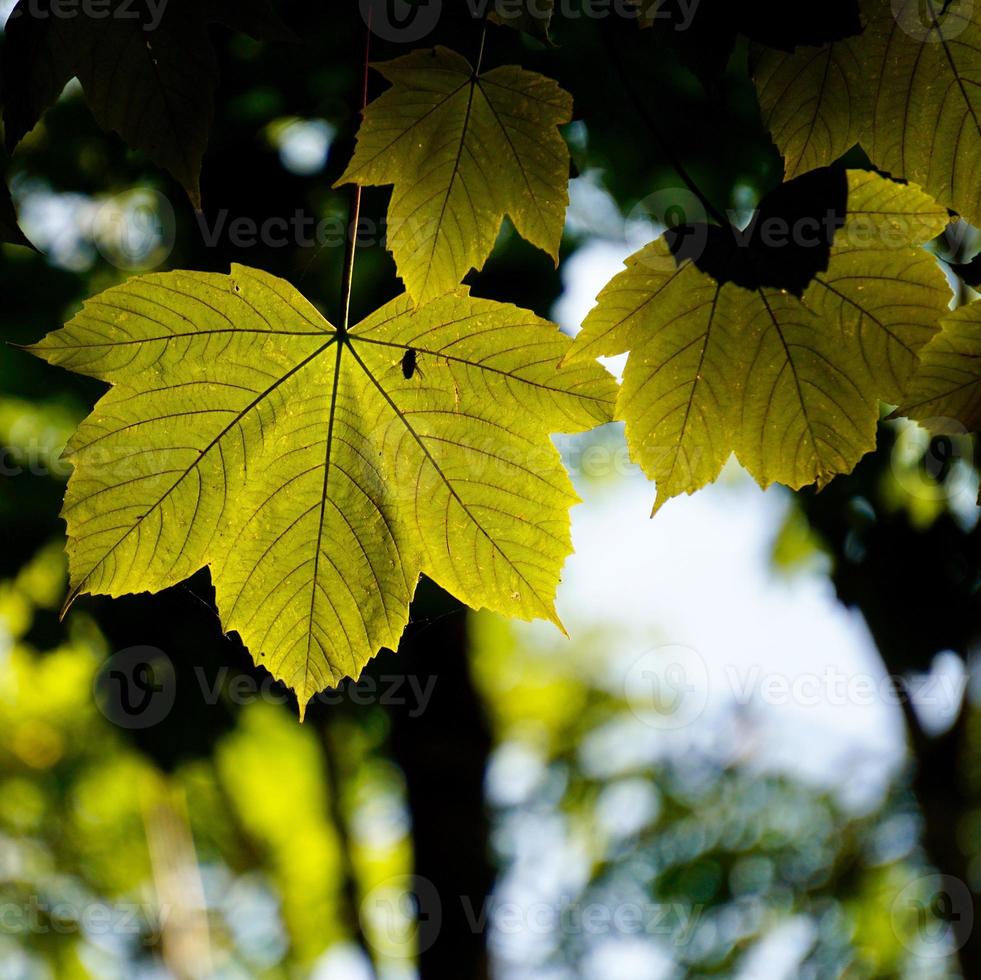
274, 851
697, 860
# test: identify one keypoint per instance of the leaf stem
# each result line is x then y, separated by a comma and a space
351, 245
480, 51
663, 143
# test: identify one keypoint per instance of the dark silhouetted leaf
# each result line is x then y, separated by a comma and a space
705, 31
148, 71
531, 16
9, 229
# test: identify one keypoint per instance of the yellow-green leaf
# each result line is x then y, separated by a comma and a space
312, 475
678, 380
790, 383
813, 101
925, 58
945, 391
463, 150
908, 88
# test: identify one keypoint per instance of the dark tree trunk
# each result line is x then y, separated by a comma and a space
915, 586
443, 751
938, 783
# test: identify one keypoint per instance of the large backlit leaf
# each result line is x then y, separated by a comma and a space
908, 88
315, 479
945, 391
463, 151
148, 71
788, 381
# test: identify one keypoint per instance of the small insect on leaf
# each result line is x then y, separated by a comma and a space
409, 363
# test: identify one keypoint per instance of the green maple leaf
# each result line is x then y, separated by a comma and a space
148, 73
463, 150
908, 88
814, 102
945, 391
790, 383
243, 432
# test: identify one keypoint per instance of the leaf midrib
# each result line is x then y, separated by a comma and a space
449, 486
201, 455
332, 411
453, 176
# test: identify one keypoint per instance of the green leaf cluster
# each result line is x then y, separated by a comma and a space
907, 88
318, 470
789, 383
